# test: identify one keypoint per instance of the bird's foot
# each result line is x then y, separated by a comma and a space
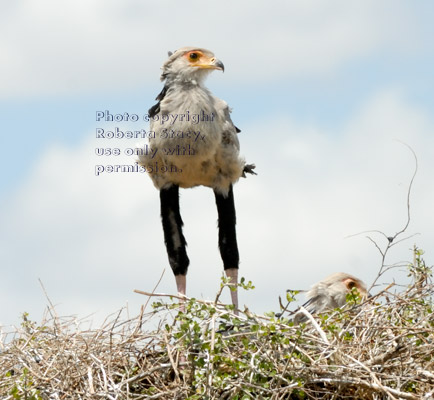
248, 168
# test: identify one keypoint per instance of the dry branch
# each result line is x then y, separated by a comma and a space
380, 349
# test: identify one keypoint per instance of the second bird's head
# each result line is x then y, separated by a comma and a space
190, 64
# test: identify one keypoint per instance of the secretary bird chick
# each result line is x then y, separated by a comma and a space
195, 143
331, 293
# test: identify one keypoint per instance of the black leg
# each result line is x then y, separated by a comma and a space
228, 239
172, 227
227, 234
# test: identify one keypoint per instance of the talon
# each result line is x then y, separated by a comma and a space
249, 169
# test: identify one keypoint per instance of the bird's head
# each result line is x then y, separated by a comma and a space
332, 291
190, 64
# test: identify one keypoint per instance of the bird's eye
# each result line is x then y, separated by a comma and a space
193, 56
351, 285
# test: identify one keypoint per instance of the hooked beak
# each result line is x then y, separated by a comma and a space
213, 63
218, 64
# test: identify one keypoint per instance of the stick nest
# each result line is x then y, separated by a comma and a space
382, 348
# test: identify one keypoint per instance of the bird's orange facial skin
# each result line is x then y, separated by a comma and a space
350, 284
193, 56
198, 59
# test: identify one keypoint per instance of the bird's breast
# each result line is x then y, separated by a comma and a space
193, 136
187, 120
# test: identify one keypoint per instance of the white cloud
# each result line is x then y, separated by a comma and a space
92, 240
53, 48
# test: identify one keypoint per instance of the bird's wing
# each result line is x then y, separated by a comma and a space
230, 131
317, 304
155, 109
310, 304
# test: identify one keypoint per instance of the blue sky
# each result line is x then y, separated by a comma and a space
321, 91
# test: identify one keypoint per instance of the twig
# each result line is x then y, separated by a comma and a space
169, 353
315, 324
155, 287
391, 240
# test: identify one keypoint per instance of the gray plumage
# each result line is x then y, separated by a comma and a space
193, 142
190, 153
332, 292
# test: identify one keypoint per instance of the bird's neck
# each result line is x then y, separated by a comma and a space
186, 81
